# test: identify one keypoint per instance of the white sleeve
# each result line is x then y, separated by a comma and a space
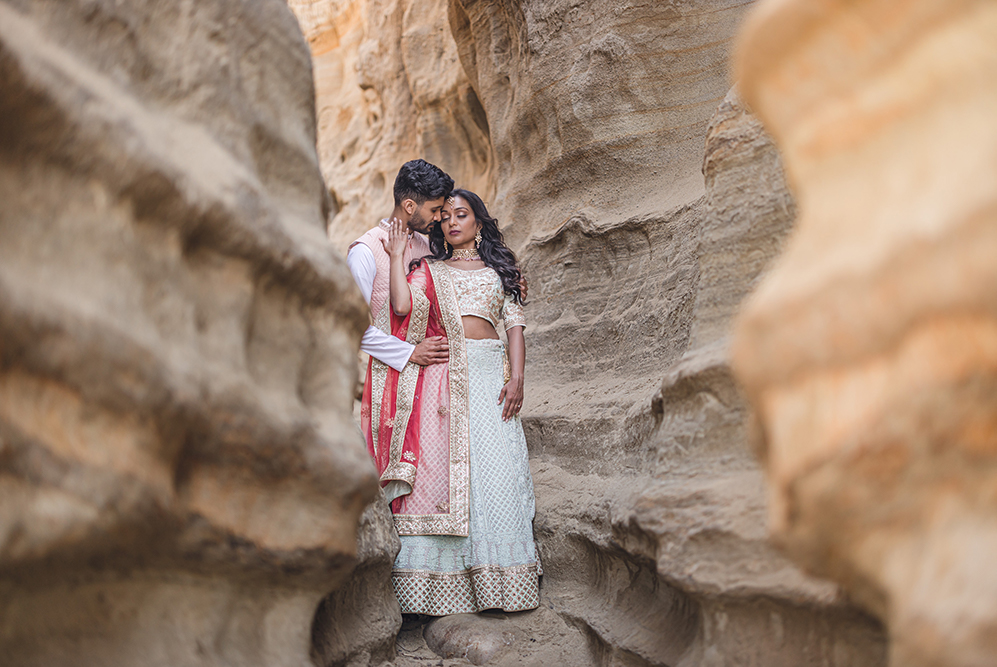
384, 347
361, 262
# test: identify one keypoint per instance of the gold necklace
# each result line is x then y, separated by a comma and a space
468, 255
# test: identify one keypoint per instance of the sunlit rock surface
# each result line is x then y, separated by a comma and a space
389, 88
181, 482
870, 351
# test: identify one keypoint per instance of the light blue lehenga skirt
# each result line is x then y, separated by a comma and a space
496, 565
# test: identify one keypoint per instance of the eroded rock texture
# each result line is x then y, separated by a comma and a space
651, 509
656, 504
597, 109
651, 515
180, 479
389, 88
870, 351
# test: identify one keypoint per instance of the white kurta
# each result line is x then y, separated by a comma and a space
386, 348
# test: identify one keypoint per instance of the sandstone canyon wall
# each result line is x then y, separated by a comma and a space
181, 482
870, 351
389, 88
601, 121
597, 110
653, 501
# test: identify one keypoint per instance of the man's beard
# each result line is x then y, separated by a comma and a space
417, 223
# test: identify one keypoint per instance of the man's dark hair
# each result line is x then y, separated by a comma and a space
418, 180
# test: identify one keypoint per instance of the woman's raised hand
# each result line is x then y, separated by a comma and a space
399, 293
397, 239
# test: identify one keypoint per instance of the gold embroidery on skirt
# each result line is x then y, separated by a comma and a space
484, 587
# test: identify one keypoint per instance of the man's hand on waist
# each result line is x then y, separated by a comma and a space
434, 350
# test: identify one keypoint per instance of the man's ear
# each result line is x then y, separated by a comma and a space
409, 206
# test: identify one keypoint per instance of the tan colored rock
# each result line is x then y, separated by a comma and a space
647, 495
656, 504
597, 109
870, 351
539, 637
749, 213
358, 623
478, 638
181, 482
389, 88
650, 508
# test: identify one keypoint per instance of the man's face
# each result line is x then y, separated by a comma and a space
424, 216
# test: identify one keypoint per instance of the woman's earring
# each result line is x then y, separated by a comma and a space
477, 239
446, 247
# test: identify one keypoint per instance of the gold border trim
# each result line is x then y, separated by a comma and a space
457, 520
515, 588
432, 574
378, 378
408, 380
401, 472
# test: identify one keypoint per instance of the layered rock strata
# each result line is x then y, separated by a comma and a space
869, 351
598, 115
597, 110
181, 482
663, 509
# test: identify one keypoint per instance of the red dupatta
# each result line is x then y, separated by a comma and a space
415, 421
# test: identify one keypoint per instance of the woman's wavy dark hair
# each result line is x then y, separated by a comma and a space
493, 250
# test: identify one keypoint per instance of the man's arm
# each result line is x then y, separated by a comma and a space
384, 347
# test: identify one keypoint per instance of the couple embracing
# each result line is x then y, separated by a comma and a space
442, 397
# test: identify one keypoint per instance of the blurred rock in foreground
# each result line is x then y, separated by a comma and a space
869, 353
181, 482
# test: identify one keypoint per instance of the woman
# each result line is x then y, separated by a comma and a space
451, 449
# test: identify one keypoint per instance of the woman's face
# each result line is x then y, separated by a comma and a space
459, 225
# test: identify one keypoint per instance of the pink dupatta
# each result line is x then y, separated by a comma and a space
416, 421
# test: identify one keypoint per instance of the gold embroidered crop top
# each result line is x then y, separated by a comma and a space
479, 293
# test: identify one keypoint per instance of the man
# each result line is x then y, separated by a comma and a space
420, 192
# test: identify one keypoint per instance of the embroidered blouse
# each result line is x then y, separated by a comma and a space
479, 293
